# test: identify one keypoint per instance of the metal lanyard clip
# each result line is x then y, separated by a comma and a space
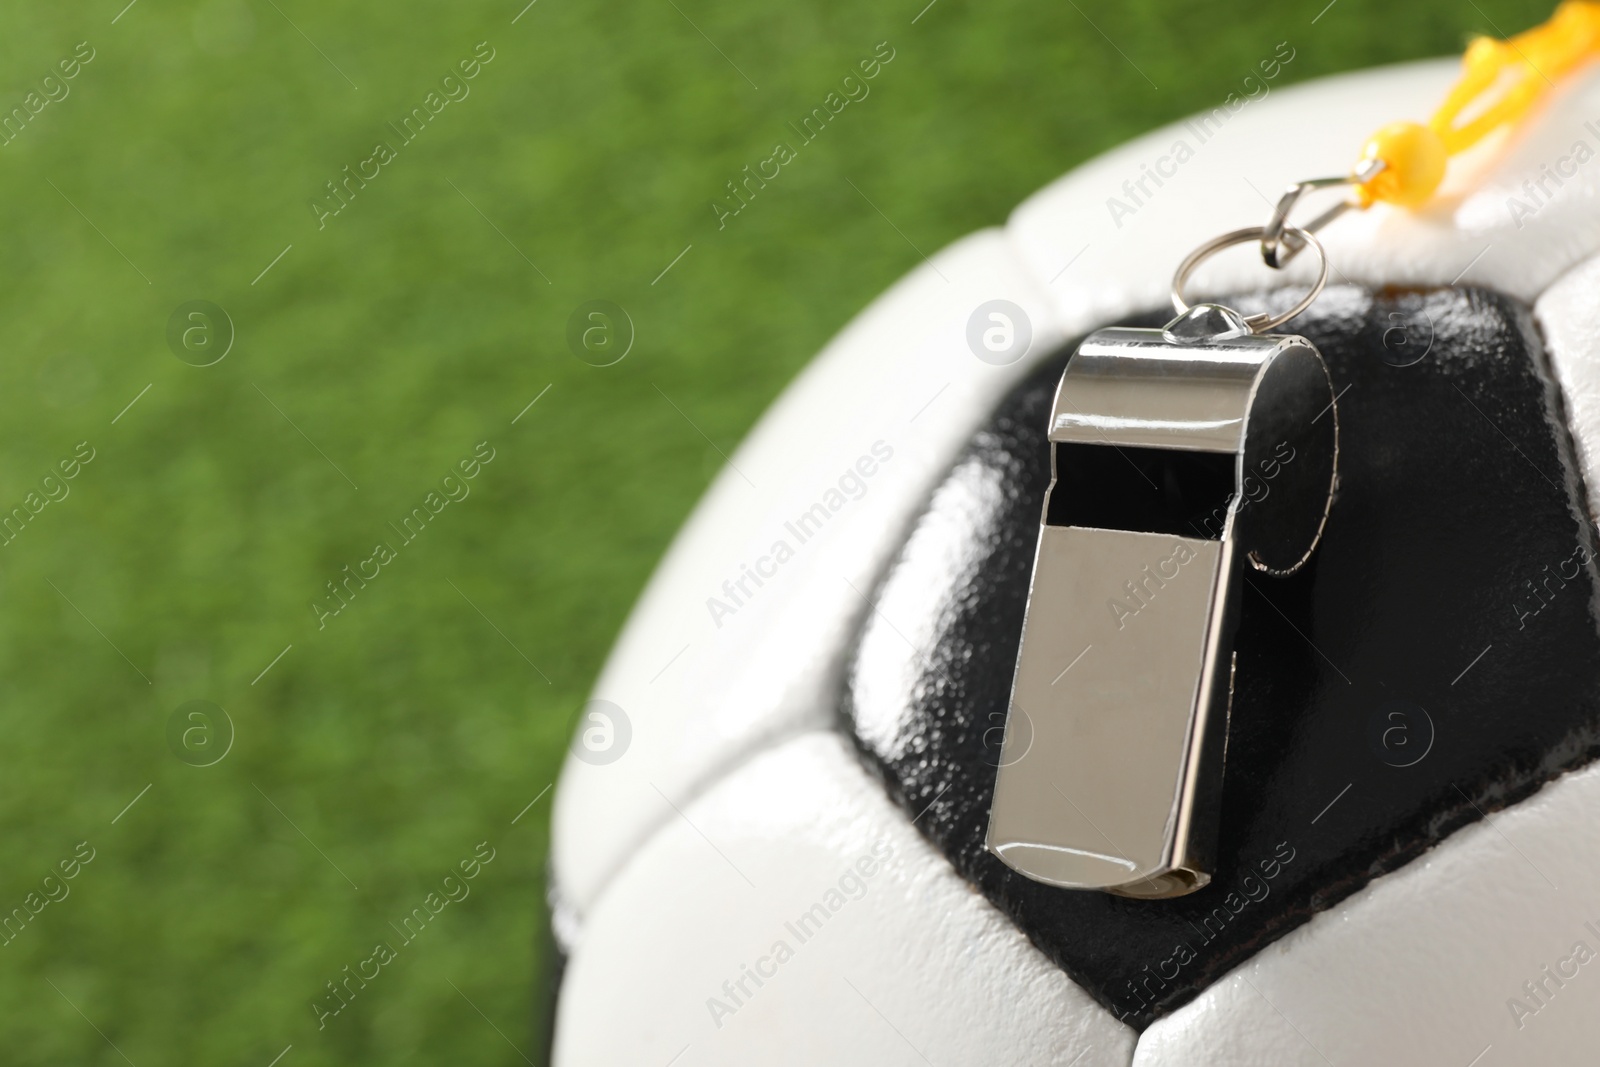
1281, 242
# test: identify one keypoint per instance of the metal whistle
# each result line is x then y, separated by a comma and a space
1176, 454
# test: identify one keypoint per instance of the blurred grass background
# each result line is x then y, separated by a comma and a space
378, 752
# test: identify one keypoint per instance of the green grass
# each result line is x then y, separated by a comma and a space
397, 337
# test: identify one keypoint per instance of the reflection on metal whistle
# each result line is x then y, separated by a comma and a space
1110, 774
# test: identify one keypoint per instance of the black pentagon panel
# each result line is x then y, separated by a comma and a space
1438, 659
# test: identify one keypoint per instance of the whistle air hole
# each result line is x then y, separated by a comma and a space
1146, 490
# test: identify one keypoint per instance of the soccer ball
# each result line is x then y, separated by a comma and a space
768, 840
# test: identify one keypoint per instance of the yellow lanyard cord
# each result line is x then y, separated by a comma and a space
1414, 156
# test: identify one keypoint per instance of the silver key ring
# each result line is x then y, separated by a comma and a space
1262, 322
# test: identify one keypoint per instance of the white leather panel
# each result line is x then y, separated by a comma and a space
1491, 224
1427, 966
866, 948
